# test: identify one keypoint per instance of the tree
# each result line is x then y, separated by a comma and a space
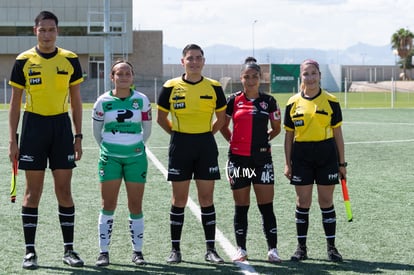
408, 61
402, 42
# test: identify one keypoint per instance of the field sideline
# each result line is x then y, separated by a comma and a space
379, 144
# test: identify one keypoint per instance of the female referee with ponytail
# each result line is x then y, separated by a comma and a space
314, 153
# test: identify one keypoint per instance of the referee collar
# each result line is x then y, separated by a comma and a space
310, 98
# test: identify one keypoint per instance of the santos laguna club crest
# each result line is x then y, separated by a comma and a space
135, 104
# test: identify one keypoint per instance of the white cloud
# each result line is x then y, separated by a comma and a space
320, 24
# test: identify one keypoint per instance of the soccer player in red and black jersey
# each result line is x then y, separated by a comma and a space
250, 159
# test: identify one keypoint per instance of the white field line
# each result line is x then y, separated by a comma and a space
273, 145
230, 250
378, 123
280, 145
380, 141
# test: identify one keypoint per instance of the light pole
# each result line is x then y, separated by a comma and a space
363, 58
254, 22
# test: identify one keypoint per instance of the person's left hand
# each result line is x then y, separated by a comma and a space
342, 172
78, 148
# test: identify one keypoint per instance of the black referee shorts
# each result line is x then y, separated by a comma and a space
46, 139
315, 162
193, 156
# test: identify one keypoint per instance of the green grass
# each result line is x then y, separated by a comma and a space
365, 99
380, 240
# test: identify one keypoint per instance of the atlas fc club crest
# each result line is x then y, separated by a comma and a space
263, 105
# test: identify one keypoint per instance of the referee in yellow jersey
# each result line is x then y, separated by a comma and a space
314, 153
192, 100
49, 76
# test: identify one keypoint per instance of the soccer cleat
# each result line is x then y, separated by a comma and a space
212, 257
273, 256
300, 254
138, 258
241, 255
30, 261
333, 254
72, 258
175, 257
103, 259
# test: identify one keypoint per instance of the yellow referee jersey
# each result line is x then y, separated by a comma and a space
192, 105
312, 119
46, 79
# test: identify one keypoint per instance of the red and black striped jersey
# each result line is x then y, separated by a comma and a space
250, 122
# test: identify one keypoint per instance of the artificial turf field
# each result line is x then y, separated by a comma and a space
379, 144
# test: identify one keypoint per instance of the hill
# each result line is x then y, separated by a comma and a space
359, 54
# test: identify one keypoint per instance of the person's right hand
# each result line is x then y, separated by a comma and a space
288, 171
13, 151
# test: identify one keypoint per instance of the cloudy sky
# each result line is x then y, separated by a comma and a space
319, 24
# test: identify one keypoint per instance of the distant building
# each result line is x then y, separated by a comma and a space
81, 30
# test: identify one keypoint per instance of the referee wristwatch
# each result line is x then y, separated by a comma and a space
79, 136
343, 164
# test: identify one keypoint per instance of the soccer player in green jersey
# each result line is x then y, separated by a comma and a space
121, 125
